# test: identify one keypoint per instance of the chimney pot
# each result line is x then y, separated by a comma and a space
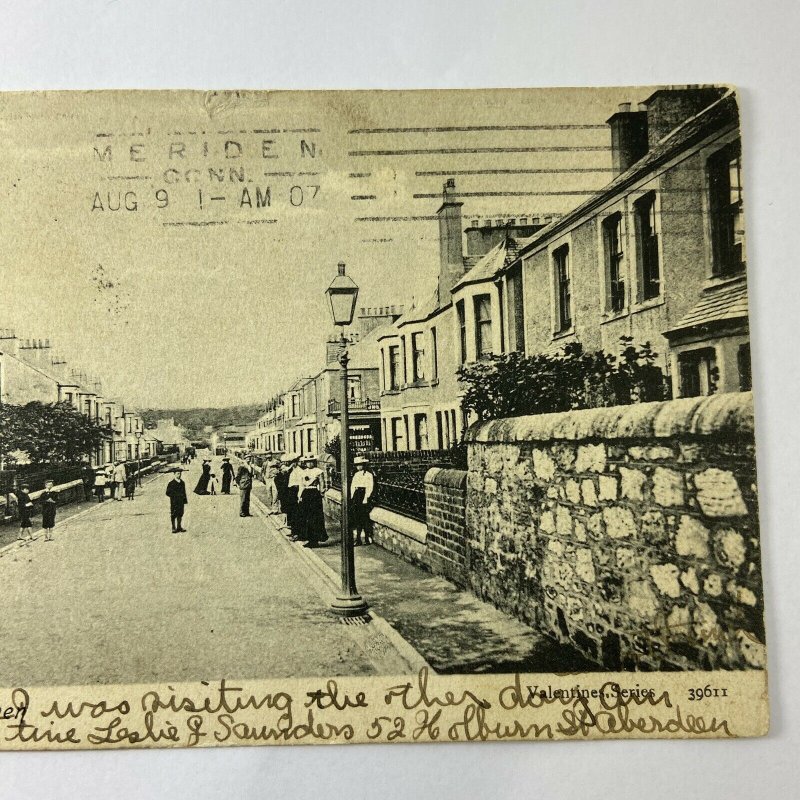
624, 108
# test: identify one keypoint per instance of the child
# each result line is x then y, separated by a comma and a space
25, 505
100, 480
130, 484
212, 484
48, 499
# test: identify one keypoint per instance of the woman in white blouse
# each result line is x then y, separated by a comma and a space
362, 487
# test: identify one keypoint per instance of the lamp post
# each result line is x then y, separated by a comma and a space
139, 458
342, 295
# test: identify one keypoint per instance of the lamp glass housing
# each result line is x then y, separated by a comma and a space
342, 296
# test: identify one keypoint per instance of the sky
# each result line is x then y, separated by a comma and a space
137, 236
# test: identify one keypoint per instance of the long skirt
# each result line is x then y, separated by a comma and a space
312, 516
48, 515
292, 512
202, 484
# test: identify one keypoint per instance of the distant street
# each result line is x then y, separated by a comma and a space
118, 598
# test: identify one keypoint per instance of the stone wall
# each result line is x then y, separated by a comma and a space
630, 532
445, 503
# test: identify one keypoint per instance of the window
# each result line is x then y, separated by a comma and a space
515, 310
462, 329
615, 280
398, 433
434, 356
417, 357
311, 441
353, 387
647, 245
394, 368
563, 288
404, 359
421, 431
725, 208
440, 431
483, 326
295, 399
745, 370
698, 372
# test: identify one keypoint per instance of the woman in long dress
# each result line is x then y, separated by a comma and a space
309, 498
205, 477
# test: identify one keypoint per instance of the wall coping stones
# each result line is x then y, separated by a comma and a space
412, 528
452, 478
730, 412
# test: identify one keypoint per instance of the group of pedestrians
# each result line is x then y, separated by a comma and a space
295, 488
207, 485
109, 482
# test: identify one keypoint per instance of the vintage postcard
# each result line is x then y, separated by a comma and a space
376, 417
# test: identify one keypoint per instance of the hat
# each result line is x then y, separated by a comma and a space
361, 460
226, 458
287, 458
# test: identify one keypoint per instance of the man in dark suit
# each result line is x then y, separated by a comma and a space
244, 480
176, 491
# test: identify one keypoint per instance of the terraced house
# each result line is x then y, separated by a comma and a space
658, 255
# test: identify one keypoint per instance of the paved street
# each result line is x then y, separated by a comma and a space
117, 598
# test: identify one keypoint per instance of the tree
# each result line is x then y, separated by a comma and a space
515, 384
52, 433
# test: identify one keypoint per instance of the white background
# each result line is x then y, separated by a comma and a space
86, 44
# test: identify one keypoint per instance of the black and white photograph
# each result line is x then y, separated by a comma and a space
353, 384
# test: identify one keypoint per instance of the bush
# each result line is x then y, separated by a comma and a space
515, 385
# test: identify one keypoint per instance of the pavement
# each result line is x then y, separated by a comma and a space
118, 598
452, 630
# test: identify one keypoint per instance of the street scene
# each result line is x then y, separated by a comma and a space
316, 397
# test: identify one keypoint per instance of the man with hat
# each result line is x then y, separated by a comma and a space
176, 491
227, 475
362, 486
244, 480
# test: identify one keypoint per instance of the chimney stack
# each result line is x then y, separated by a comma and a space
8, 341
628, 137
669, 107
451, 249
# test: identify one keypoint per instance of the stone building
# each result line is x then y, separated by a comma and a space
421, 352
657, 255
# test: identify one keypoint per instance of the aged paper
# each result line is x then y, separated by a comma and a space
549, 489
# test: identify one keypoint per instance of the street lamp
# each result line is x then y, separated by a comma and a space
139, 458
342, 295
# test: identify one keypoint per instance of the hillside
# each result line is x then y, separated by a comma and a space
196, 419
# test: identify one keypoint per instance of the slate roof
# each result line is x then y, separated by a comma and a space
718, 115
493, 262
718, 305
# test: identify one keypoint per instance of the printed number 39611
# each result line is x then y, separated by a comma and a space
704, 692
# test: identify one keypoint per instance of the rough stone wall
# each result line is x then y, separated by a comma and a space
629, 532
445, 503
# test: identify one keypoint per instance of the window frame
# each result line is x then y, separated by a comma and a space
483, 327
563, 317
728, 258
647, 226
614, 263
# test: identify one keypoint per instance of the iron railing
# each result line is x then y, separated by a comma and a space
405, 496
335, 407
